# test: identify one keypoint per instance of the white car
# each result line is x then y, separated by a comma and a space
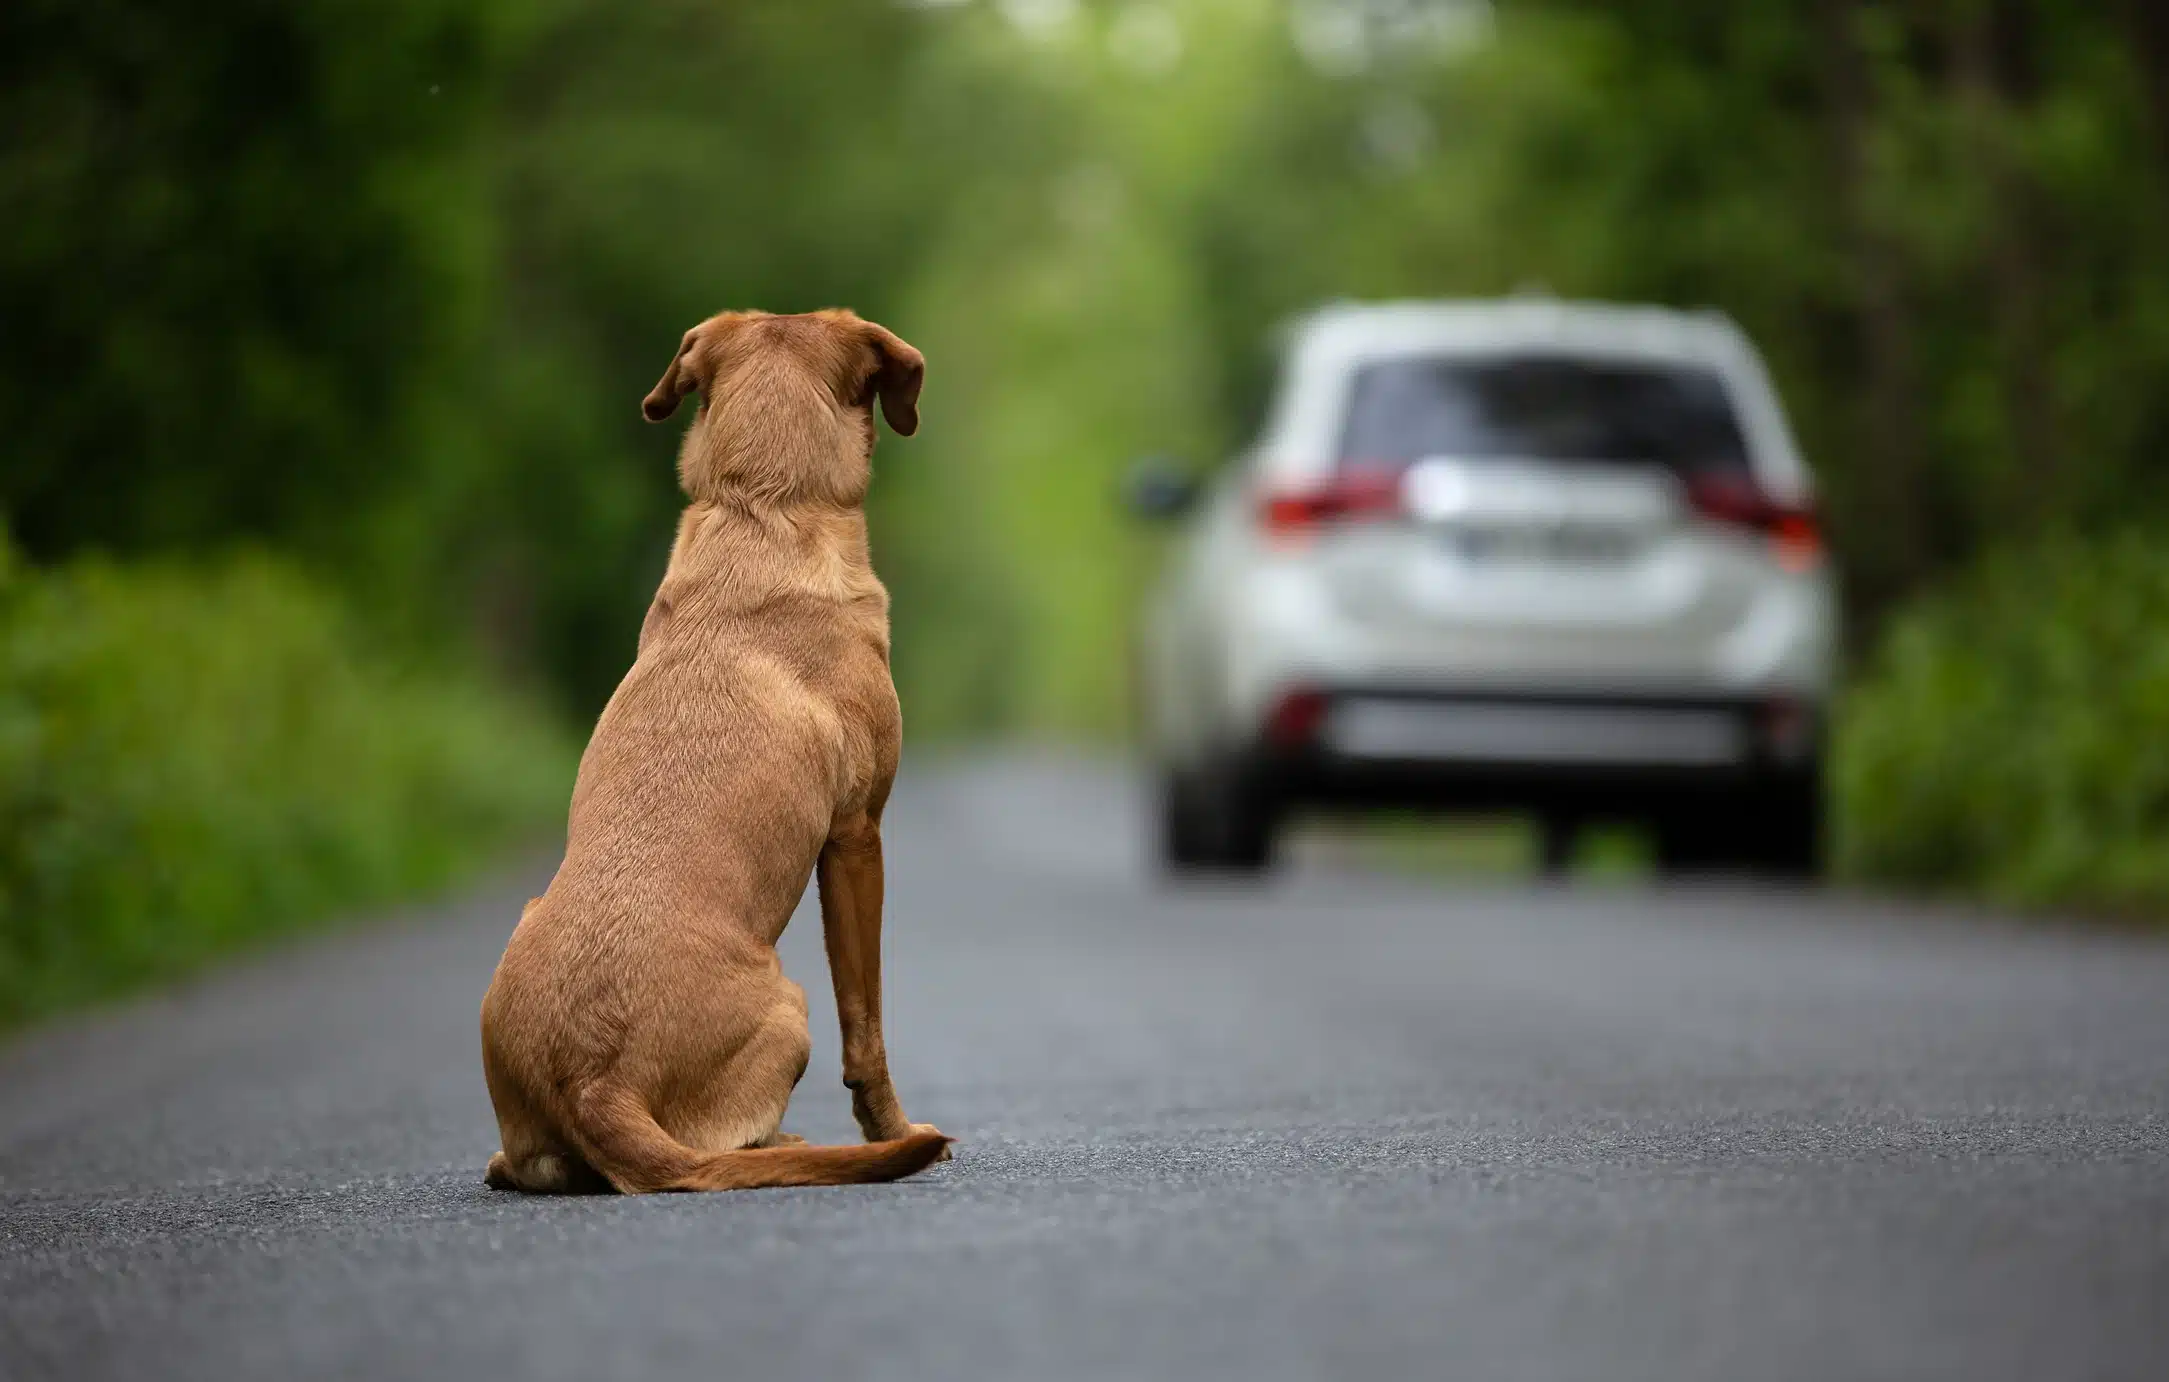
1525, 554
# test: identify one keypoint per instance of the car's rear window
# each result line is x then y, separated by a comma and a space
1543, 407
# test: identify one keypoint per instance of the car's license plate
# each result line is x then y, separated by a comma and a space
1577, 545
1506, 732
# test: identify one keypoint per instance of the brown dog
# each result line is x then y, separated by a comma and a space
639, 1034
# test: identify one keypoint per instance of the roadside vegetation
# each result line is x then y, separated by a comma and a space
2011, 738
194, 756
376, 288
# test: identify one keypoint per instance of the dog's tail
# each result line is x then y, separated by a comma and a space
622, 1140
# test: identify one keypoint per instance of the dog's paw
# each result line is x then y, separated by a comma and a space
917, 1128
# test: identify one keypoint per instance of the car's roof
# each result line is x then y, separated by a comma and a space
1367, 329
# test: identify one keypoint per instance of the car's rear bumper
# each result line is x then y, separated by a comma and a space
1595, 754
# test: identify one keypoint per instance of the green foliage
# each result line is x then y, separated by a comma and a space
194, 757
242, 260
2012, 736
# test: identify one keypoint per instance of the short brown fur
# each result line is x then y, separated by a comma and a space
639, 1034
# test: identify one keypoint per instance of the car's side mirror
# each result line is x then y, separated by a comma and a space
1159, 488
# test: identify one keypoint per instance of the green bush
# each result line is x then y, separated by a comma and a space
194, 757
2011, 738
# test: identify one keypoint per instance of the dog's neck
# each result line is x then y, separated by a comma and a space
745, 550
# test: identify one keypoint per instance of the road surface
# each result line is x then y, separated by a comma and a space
1344, 1125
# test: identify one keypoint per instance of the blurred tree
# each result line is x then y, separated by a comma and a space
243, 249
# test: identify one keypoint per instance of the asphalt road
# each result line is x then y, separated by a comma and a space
1340, 1126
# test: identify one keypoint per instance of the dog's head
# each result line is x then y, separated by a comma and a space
787, 402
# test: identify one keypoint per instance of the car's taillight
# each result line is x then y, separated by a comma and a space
1351, 494
1296, 718
1794, 530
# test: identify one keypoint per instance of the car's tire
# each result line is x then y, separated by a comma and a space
1183, 842
1218, 818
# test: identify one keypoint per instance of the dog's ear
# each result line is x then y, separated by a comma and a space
897, 379
680, 379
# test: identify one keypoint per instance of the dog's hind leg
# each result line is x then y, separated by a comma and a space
743, 1103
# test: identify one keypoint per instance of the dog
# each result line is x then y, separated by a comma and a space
639, 1034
